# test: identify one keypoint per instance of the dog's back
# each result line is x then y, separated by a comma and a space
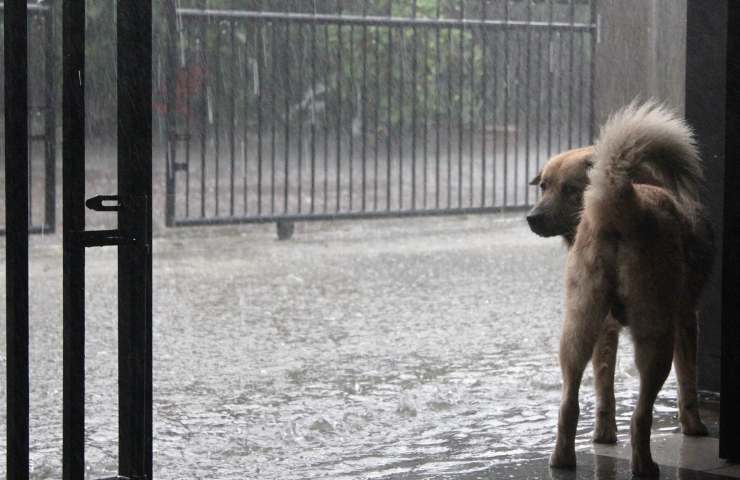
662, 224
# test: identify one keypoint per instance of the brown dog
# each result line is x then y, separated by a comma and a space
640, 249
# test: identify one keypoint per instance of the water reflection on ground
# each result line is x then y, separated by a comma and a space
416, 348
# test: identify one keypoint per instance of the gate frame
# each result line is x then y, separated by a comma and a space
284, 222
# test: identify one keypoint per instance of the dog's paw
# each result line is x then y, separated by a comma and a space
694, 428
647, 469
605, 432
563, 459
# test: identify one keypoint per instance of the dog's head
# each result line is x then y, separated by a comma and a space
562, 182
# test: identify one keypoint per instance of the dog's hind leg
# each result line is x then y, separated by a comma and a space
585, 313
604, 360
684, 360
653, 355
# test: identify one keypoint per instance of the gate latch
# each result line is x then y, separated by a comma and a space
101, 238
98, 204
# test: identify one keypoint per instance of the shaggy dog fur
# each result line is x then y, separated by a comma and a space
640, 249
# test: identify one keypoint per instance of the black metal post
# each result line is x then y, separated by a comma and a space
170, 63
134, 26
50, 124
73, 172
16, 217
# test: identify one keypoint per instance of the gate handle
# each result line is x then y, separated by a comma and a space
97, 203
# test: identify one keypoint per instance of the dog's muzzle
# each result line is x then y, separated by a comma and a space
538, 223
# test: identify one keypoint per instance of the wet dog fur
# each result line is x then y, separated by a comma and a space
639, 251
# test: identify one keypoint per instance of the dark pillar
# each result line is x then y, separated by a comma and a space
713, 108
16, 231
729, 444
705, 99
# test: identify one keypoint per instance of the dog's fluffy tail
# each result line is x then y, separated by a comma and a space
638, 140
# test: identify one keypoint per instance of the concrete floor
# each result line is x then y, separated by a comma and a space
415, 348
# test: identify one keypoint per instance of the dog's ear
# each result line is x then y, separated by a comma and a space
537, 179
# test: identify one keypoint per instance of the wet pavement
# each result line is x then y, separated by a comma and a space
416, 348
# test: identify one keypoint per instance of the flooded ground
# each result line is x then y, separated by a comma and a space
419, 348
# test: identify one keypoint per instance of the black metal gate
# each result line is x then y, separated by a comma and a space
41, 119
371, 108
132, 237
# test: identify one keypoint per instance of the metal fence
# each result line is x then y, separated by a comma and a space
41, 121
366, 109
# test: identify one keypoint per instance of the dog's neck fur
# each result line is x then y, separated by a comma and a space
569, 238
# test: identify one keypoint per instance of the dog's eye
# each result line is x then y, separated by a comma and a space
543, 186
569, 189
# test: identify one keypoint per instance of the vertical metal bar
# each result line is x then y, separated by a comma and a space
364, 108
594, 35
550, 79
217, 115
326, 66
287, 115
561, 87
494, 147
29, 148
134, 26
73, 172
413, 106
471, 126
340, 71
188, 106
389, 126
376, 113
484, 102
517, 107
15, 34
204, 114
50, 126
313, 114
353, 113
437, 79
425, 151
449, 117
170, 119
528, 99
232, 115
461, 102
539, 107
260, 97
401, 98
245, 123
581, 85
506, 106
273, 102
301, 117
571, 80
471, 123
